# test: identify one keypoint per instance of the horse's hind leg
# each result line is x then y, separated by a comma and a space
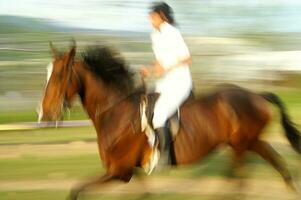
266, 151
236, 165
75, 192
238, 172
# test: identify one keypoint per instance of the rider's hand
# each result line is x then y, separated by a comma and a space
144, 71
159, 70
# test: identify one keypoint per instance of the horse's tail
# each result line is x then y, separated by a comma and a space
291, 132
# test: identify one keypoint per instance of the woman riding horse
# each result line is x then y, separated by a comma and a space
172, 65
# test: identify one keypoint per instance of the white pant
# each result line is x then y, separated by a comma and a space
174, 88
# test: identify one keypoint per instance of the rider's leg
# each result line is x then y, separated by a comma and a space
161, 131
165, 107
171, 97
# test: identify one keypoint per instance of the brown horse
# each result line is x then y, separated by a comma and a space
231, 115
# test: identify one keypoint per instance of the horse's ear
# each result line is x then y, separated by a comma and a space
73, 48
71, 55
73, 43
53, 50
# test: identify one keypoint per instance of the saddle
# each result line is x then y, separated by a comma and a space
149, 101
147, 106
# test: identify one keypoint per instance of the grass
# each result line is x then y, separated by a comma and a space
34, 195
43, 166
31, 167
59, 195
39, 165
76, 113
48, 136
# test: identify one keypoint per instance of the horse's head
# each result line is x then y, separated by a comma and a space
56, 95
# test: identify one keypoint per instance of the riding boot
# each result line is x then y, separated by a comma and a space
163, 135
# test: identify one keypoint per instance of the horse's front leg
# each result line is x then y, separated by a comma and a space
75, 192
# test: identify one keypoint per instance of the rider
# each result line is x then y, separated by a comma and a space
172, 66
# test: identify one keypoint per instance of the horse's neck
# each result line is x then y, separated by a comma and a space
96, 97
101, 101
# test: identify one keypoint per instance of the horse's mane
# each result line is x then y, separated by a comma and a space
109, 66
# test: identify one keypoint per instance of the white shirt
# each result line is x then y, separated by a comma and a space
169, 48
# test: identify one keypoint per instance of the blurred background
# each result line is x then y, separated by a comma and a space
252, 43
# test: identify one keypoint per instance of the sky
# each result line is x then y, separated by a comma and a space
202, 16
114, 14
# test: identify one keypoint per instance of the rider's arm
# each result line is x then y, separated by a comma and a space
180, 51
155, 69
186, 61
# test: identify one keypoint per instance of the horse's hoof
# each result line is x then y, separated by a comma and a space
73, 195
291, 185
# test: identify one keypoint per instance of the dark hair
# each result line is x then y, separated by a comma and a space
165, 11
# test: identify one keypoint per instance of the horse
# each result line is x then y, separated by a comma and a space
230, 115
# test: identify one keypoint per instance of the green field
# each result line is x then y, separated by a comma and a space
45, 163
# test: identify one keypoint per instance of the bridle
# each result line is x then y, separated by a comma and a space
66, 105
